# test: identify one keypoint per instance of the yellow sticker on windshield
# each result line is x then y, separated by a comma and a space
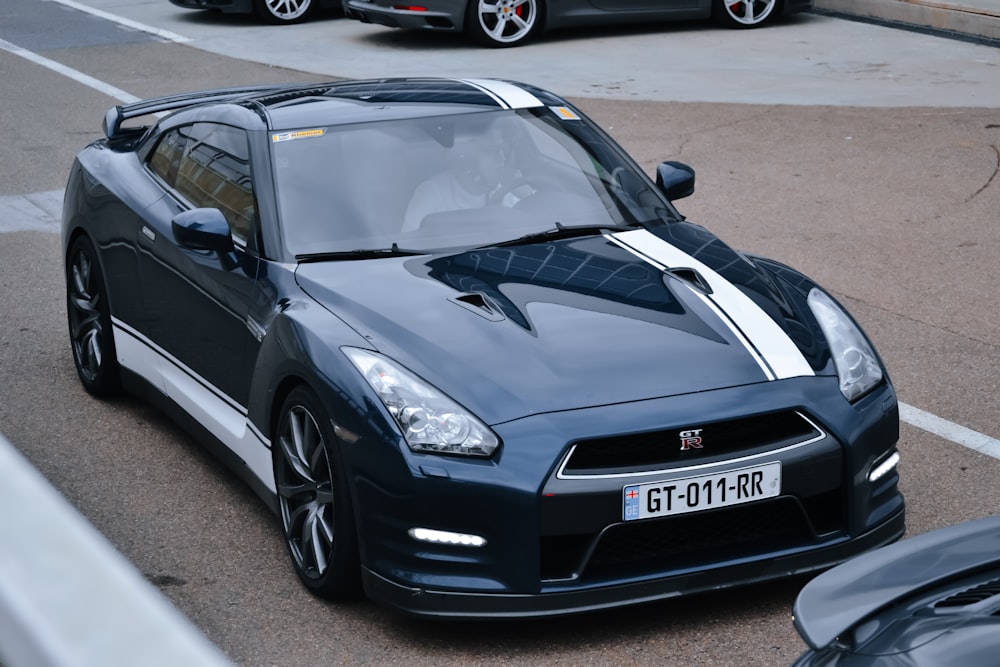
300, 134
564, 113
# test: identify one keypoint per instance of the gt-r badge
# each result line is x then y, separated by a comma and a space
690, 439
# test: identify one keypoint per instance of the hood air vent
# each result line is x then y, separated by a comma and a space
480, 304
691, 277
970, 596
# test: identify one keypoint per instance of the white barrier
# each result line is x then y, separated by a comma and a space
68, 598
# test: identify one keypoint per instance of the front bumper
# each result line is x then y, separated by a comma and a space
446, 604
556, 540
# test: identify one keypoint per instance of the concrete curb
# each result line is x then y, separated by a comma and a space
973, 19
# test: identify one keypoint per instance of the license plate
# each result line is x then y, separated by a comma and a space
704, 492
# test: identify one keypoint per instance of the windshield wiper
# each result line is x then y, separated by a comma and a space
361, 253
561, 231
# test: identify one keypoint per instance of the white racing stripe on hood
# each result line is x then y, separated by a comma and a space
766, 341
507, 94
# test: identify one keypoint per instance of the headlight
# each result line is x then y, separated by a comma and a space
430, 421
857, 367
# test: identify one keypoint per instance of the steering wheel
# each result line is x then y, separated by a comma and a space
523, 186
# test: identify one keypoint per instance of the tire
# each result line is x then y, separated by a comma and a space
745, 13
284, 11
503, 23
88, 313
314, 502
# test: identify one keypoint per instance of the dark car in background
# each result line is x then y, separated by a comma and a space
469, 352
271, 11
500, 23
927, 601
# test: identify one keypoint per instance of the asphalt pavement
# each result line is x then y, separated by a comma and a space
866, 155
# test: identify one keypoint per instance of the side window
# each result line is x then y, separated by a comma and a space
209, 165
167, 157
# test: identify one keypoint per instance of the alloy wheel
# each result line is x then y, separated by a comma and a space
90, 321
305, 492
505, 22
284, 11
315, 504
747, 13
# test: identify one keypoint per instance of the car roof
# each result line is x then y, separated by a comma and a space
341, 102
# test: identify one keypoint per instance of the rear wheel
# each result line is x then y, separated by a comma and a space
500, 23
744, 13
315, 504
284, 11
89, 316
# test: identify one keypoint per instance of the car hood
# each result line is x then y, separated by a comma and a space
517, 330
945, 565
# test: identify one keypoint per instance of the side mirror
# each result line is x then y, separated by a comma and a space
203, 229
675, 179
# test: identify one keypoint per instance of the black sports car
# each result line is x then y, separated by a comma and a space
927, 601
470, 353
500, 23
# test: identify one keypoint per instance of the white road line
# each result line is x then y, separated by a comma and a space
69, 72
159, 32
949, 430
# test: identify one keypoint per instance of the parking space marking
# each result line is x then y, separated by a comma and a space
128, 23
949, 430
69, 72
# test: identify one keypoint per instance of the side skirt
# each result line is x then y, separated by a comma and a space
212, 418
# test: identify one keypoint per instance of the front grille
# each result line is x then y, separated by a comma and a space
688, 540
662, 449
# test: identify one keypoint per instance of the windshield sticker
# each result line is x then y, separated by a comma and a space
564, 113
301, 134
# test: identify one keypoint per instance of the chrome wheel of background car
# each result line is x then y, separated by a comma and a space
744, 13
90, 320
284, 11
313, 499
503, 22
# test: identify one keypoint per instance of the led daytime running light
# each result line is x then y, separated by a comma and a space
446, 537
884, 468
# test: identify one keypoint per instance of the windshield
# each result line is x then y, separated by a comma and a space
456, 181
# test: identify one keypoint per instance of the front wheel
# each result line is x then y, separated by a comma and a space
89, 315
313, 498
744, 13
284, 11
500, 23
